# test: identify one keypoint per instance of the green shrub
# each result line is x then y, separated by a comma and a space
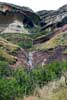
5, 70
25, 44
23, 82
8, 89
38, 76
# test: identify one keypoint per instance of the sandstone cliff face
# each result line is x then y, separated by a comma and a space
17, 19
53, 18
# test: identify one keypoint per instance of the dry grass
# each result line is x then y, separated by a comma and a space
58, 39
9, 58
7, 45
6, 49
56, 90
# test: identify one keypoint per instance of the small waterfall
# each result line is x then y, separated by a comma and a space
31, 60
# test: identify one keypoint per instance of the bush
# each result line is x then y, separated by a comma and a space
25, 43
23, 82
5, 70
38, 76
53, 70
8, 89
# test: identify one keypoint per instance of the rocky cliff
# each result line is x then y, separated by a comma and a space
17, 19
47, 44
54, 18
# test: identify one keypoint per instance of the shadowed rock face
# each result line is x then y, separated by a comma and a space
24, 16
53, 18
30, 21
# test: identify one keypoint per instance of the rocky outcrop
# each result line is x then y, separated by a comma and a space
43, 57
53, 18
17, 19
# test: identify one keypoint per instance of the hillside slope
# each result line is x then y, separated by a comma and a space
33, 53
42, 35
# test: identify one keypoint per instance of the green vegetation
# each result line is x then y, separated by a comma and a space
17, 83
5, 70
21, 39
58, 39
39, 34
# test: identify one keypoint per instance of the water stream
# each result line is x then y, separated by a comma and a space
30, 61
